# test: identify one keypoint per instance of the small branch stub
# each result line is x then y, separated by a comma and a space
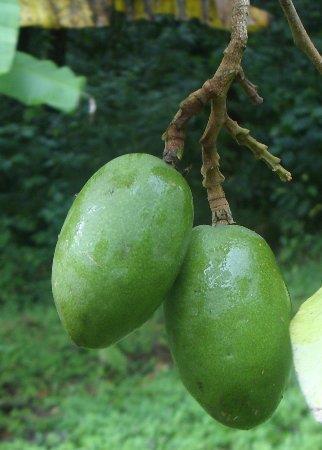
249, 88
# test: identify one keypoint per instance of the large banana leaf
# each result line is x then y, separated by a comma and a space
89, 13
36, 82
9, 28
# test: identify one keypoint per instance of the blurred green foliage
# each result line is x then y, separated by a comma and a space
138, 73
54, 395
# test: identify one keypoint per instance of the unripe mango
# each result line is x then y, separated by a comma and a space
120, 248
227, 319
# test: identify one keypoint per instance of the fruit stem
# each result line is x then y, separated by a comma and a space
212, 176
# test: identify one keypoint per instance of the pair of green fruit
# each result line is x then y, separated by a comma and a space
127, 245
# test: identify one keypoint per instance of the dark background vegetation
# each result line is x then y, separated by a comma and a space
138, 73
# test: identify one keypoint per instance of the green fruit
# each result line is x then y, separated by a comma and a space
227, 319
306, 338
120, 248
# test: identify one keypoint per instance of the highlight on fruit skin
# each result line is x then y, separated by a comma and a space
306, 338
120, 248
227, 319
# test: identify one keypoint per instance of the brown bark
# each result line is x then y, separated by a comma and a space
215, 90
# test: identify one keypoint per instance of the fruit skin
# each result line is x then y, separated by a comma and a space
227, 319
306, 338
120, 248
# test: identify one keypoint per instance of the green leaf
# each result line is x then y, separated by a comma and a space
9, 29
35, 82
306, 336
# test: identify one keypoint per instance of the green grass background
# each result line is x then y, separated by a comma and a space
57, 396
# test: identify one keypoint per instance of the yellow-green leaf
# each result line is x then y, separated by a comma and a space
306, 336
35, 82
91, 13
9, 28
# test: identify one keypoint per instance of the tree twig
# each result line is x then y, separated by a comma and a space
249, 88
217, 86
212, 177
301, 38
215, 90
243, 137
